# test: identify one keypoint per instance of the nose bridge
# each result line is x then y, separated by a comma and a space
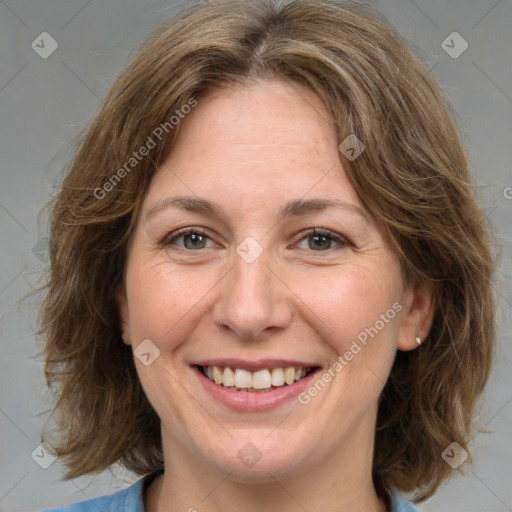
252, 299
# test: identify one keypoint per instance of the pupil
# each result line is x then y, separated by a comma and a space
318, 238
195, 240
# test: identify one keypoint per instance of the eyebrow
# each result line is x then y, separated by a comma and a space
295, 208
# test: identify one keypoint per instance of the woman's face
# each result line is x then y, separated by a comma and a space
250, 291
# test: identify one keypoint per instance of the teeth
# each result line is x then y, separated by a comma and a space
277, 377
254, 381
243, 379
261, 379
217, 377
229, 377
289, 375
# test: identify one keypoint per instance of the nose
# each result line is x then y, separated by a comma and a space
253, 300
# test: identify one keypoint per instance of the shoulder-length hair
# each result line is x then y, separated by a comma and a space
413, 176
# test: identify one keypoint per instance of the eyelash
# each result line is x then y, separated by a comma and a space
172, 237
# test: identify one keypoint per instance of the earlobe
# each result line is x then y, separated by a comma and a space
417, 317
125, 338
122, 309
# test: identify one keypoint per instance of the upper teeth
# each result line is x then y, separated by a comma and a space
262, 379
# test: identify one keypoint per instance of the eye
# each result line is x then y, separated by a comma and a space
317, 239
192, 238
320, 240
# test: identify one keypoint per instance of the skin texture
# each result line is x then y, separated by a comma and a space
251, 149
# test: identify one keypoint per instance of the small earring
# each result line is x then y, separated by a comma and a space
418, 340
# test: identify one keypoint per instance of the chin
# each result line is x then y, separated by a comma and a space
257, 461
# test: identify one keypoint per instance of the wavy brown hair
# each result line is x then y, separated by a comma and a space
413, 176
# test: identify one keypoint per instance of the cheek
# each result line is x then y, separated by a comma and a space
355, 303
164, 301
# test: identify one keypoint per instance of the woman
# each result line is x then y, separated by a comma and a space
270, 282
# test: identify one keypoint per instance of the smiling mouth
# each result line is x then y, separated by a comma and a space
239, 379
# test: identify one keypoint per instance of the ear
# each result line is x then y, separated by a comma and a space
417, 316
124, 316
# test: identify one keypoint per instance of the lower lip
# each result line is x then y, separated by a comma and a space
255, 400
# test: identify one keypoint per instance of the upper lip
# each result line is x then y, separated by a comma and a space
253, 365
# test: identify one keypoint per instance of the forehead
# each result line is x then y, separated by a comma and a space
258, 141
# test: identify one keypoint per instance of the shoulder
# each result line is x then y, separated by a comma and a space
126, 500
400, 504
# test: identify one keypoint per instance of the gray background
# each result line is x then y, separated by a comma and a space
44, 105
